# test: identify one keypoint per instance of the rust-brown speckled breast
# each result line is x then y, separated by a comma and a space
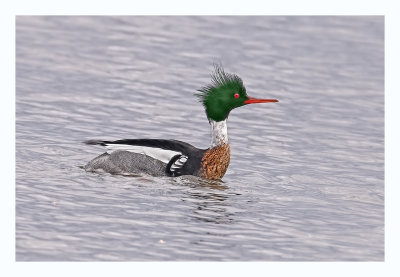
215, 162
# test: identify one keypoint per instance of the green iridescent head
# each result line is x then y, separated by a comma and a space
225, 93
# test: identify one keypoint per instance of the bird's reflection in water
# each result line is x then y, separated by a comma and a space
210, 199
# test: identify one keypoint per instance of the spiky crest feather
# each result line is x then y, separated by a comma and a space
220, 79
222, 83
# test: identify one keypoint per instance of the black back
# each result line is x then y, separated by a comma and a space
193, 154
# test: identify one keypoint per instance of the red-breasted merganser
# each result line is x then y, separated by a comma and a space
161, 157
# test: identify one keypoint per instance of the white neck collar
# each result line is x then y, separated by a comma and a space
219, 133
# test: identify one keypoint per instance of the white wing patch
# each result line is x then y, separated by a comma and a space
160, 154
178, 164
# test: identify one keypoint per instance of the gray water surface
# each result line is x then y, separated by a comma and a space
306, 179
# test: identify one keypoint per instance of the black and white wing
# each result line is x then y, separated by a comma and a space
180, 157
176, 165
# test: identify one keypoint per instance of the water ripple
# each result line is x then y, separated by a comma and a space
306, 174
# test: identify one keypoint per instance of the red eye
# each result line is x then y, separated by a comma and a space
236, 95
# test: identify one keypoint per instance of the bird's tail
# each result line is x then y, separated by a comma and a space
94, 142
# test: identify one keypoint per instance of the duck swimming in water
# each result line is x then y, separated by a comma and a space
162, 157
